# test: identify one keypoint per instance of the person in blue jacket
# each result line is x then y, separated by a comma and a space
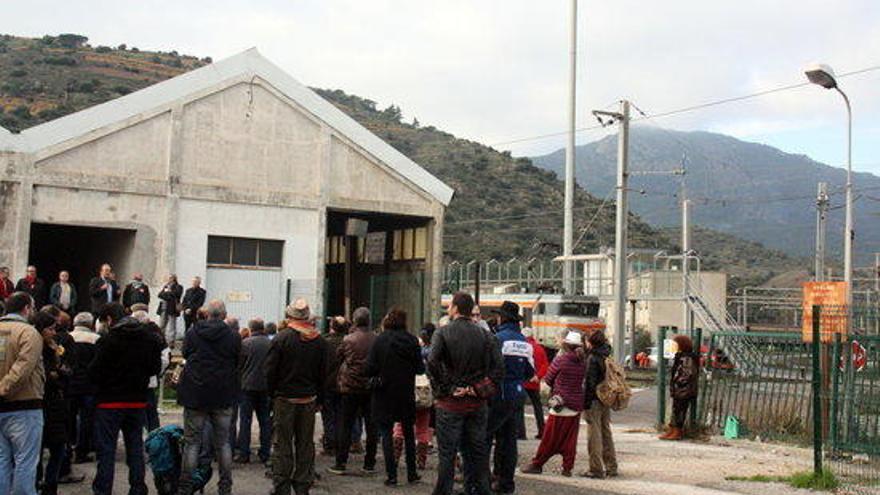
518, 368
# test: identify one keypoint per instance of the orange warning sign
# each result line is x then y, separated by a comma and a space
831, 296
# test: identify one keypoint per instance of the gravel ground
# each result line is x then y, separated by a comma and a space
647, 466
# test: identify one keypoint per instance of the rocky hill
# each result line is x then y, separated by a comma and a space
503, 206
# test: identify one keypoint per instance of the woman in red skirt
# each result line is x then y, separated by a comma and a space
565, 378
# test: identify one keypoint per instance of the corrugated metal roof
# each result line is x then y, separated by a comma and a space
249, 62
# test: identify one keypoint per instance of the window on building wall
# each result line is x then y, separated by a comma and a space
246, 252
410, 244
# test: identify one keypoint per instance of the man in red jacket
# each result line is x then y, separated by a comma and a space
533, 386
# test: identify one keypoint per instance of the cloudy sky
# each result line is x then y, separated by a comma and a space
496, 70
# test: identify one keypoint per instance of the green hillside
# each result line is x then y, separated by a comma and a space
503, 206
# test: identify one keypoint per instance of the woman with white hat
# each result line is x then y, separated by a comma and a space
565, 378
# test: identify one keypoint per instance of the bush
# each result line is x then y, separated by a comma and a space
103, 49
22, 112
69, 40
123, 90
18, 73
121, 47
69, 61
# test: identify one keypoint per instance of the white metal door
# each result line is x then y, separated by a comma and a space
247, 293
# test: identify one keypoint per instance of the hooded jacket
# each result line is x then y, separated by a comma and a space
353, 355
518, 360
84, 345
297, 364
210, 377
595, 373
395, 359
125, 359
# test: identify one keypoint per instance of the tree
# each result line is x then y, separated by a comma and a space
122, 47
70, 40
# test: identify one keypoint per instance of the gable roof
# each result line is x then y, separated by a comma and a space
249, 62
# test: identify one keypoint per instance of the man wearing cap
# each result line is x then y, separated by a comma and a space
296, 368
207, 391
504, 407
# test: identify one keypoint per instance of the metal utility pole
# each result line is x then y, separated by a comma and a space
620, 258
568, 220
687, 317
822, 202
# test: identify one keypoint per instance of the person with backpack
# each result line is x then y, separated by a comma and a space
565, 377
600, 443
683, 385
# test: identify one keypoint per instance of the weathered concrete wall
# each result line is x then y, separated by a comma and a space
139, 151
247, 137
296, 227
359, 183
9, 199
143, 214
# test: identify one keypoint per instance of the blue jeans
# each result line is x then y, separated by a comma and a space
464, 432
254, 402
21, 435
502, 428
108, 424
194, 423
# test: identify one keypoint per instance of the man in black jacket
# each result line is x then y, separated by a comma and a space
33, 285
169, 309
296, 368
207, 390
81, 389
465, 367
254, 397
103, 289
193, 299
136, 292
125, 359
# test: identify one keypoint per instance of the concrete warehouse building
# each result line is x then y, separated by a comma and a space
234, 172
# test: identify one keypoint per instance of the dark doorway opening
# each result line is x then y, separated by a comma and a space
81, 251
387, 266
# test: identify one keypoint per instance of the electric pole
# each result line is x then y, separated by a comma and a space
620, 241
822, 202
568, 216
687, 317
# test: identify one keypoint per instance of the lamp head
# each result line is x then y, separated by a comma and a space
822, 75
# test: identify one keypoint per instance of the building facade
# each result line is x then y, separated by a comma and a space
236, 173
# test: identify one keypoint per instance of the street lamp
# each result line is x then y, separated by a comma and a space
823, 75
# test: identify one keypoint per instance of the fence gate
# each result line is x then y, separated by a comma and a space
762, 383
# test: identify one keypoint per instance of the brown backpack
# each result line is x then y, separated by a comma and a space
614, 392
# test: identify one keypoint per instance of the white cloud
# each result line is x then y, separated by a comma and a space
496, 70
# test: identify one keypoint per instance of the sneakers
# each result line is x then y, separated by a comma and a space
368, 470
337, 469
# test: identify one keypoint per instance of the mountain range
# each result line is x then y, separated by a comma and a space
504, 206
752, 191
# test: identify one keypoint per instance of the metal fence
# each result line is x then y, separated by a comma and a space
772, 385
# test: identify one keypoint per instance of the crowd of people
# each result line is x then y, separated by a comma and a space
70, 386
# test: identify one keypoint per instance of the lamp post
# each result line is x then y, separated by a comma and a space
823, 75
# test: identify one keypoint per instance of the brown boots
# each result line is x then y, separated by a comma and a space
672, 434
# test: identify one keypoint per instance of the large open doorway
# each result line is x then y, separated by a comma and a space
81, 251
385, 267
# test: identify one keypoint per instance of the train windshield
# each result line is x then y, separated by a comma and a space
575, 309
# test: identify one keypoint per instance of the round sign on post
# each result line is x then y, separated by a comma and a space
859, 356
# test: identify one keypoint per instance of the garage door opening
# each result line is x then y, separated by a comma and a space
81, 251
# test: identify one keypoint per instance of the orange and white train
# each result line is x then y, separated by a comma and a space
547, 314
